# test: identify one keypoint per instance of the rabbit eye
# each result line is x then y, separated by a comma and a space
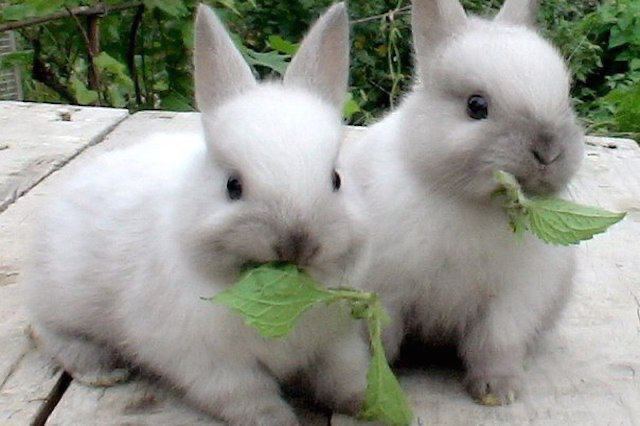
336, 181
477, 107
234, 188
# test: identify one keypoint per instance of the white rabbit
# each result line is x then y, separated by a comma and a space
492, 95
124, 255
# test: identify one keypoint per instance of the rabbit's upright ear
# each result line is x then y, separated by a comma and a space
220, 69
322, 62
519, 12
432, 22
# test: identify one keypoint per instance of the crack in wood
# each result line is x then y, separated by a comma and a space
52, 400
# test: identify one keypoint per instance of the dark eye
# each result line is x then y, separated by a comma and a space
234, 188
477, 107
335, 180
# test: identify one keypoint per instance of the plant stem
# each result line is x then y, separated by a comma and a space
354, 295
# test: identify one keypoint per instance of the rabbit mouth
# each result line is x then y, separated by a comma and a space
537, 186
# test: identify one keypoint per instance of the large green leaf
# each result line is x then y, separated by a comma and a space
271, 297
283, 46
83, 95
114, 68
350, 107
272, 60
561, 222
384, 401
553, 220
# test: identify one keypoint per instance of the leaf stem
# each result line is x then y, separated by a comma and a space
353, 295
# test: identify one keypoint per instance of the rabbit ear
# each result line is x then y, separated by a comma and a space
322, 62
432, 22
519, 12
220, 70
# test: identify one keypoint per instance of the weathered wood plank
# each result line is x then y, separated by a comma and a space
588, 372
36, 144
37, 139
141, 402
28, 388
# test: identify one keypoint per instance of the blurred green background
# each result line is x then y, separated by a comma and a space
143, 58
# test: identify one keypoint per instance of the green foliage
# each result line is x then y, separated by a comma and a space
553, 220
271, 297
83, 95
600, 39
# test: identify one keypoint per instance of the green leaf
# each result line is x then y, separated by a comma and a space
617, 38
562, 222
106, 62
116, 97
351, 107
116, 69
271, 297
283, 46
627, 107
272, 60
553, 220
187, 35
83, 95
384, 399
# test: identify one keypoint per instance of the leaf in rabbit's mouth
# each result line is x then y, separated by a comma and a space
271, 298
553, 220
531, 186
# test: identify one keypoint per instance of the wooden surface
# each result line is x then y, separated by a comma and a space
586, 373
37, 139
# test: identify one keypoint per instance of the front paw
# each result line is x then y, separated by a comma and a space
103, 378
493, 390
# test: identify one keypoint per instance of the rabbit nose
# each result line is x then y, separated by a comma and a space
545, 151
297, 247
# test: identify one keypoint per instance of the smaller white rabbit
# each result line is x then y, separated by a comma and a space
123, 257
493, 95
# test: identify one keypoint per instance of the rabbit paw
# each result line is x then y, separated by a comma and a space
103, 378
493, 391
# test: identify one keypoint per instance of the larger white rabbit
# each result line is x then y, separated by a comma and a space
124, 255
492, 95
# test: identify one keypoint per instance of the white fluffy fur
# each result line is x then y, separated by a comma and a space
442, 255
124, 254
